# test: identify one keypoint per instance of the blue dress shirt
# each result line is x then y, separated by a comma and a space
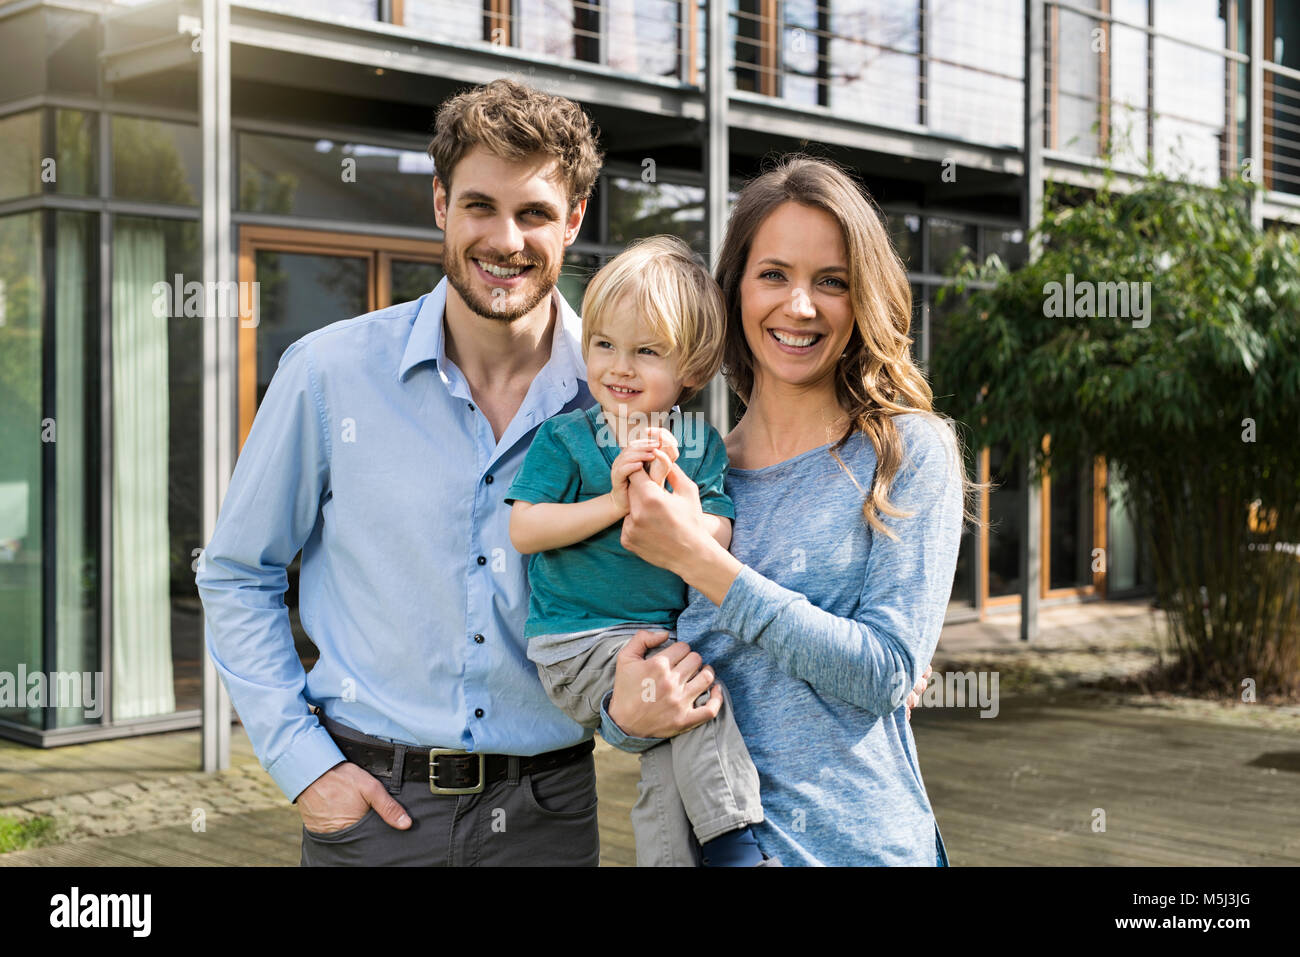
370, 456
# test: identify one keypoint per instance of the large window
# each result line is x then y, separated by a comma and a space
49, 442
638, 209
1006, 517
1282, 96
22, 549
157, 161
1149, 77
325, 179
77, 409
645, 37
156, 450
21, 153
975, 83
1191, 102
954, 67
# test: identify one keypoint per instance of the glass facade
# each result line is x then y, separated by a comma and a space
976, 77
1006, 524
645, 37
156, 488
156, 161
638, 208
325, 179
1070, 530
76, 156
77, 453
1150, 80
101, 424
23, 437
951, 67
411, 280
1190, 95
1282, 98
21, 155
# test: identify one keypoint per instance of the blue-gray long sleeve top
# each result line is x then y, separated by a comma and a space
824, 632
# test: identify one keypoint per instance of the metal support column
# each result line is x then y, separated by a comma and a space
1256, 122
1030, 540
717, 167
218, 331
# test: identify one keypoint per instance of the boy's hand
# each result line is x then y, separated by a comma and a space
638, 452
665, 440
631, 460
662, 463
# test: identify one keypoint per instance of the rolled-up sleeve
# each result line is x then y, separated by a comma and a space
616, 736
271, 507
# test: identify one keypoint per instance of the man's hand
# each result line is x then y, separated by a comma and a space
341, 797
914, 696
655, 697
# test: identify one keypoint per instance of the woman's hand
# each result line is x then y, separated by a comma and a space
632, 458
914, 696
661, 528
669, 530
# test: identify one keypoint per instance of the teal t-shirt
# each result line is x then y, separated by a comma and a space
598, 583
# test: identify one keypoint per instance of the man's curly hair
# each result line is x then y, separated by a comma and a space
512, 120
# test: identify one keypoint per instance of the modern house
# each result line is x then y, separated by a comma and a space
148, 146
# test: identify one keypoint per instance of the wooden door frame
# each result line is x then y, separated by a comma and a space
1099, 518
985, 599
378, 251
1100, 524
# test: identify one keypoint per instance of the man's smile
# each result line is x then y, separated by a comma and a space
498, 275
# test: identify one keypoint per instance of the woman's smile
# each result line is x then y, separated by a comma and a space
795, 343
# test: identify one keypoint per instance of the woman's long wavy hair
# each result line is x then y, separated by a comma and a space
876, 378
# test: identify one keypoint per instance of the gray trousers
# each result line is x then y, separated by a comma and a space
546, 819
701, 782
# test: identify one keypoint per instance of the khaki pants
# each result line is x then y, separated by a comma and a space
701, 783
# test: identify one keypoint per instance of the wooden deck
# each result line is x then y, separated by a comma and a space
1020, 788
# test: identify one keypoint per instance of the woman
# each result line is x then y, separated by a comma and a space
849, 503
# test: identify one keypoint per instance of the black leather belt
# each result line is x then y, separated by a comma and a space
447, 770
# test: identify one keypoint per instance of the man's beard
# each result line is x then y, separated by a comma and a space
467, 285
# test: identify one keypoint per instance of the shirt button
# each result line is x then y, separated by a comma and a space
482, 560
478, 639
478, 712
471, 406
488, 480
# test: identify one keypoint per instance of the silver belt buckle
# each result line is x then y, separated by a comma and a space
433, 773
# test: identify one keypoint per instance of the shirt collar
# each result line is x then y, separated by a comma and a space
566, 367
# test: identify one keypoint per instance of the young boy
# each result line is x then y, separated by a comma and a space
653, 322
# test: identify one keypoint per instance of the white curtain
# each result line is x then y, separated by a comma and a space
142, 655
74, 620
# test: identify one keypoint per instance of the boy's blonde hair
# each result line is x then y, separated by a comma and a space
673, 290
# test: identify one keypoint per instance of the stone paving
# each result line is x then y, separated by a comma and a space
192, 798
1080, 645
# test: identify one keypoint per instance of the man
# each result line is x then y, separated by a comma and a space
383, 450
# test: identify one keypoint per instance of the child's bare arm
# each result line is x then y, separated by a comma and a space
539, 526
719, 528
